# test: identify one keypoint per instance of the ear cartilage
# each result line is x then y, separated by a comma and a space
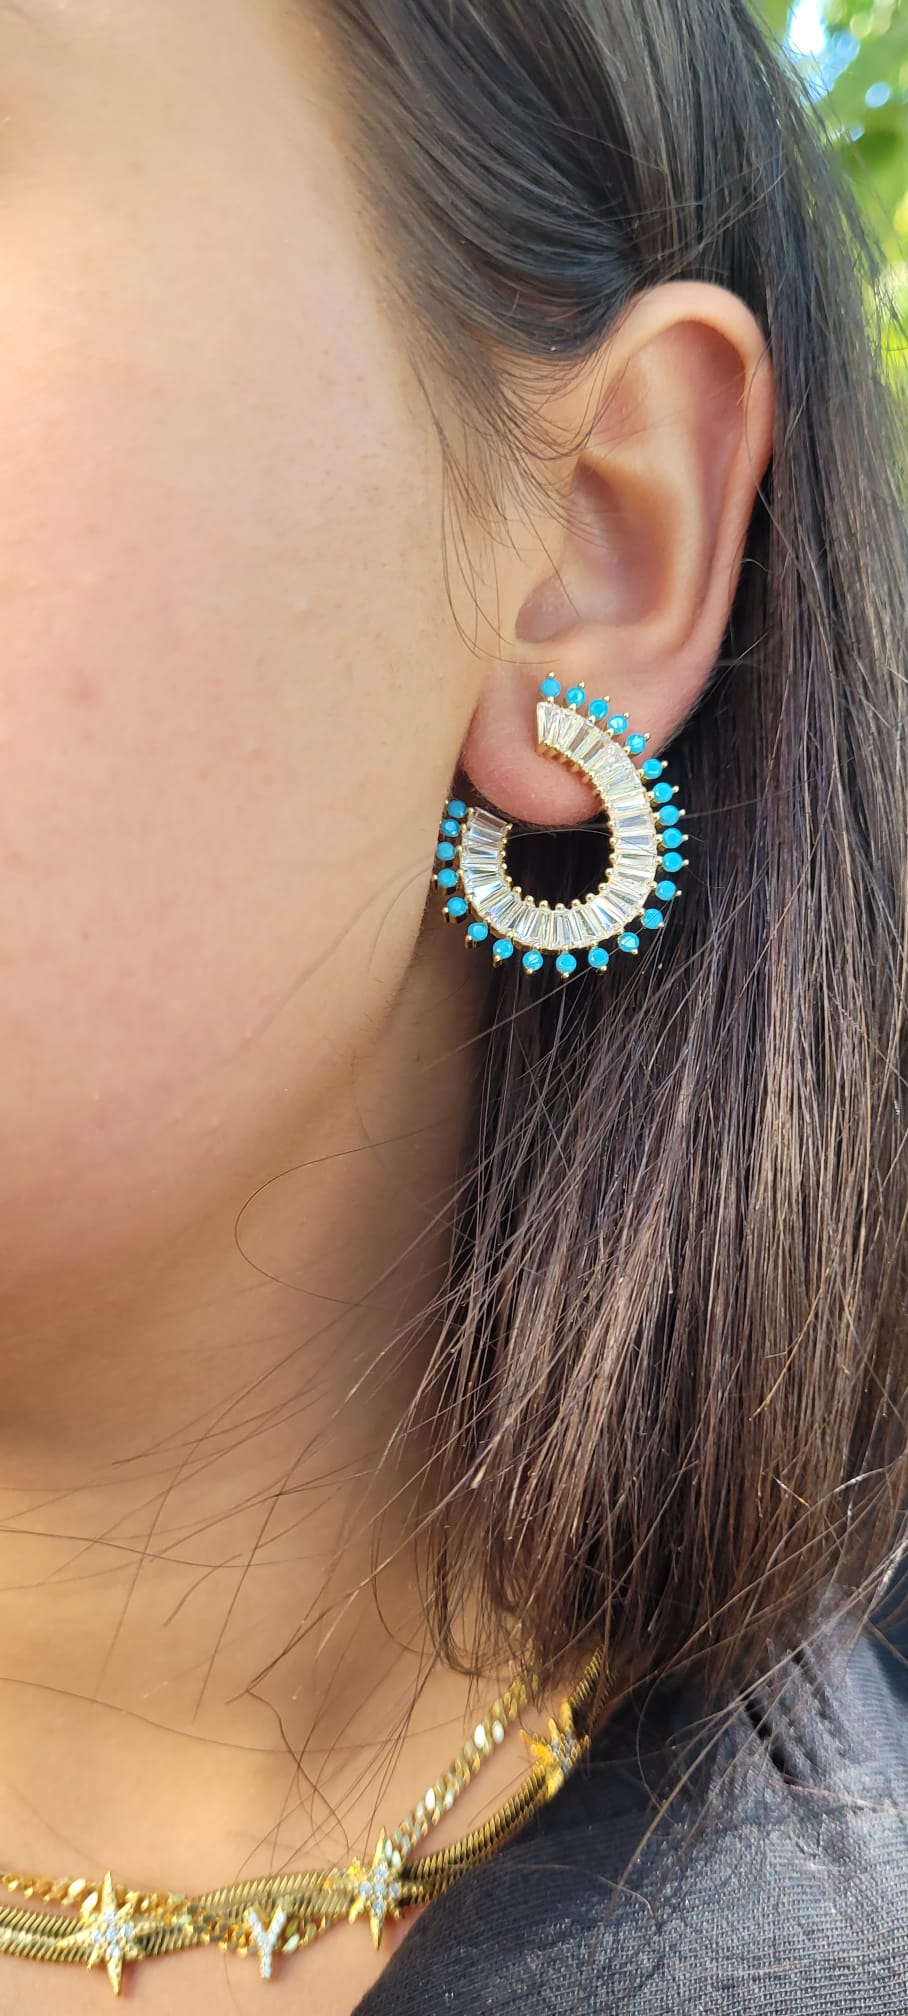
645, 827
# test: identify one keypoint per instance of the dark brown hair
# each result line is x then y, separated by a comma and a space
671, 1379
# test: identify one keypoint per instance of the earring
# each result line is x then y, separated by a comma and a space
645, 832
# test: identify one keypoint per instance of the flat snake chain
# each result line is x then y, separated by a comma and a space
117, 1926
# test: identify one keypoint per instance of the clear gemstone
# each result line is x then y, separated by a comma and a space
637, 850
633, 831
548, 722
606, 915
544, 929
585, 927
480, 851
486, 826
524, 925
624, 908
476, 862
608, 768
628, 894
583, 744
482, 889
632, 809
552, 725
638, 873
503, 910
630, 868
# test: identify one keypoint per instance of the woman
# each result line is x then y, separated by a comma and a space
399, 1338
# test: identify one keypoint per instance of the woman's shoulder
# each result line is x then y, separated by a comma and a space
753, 1863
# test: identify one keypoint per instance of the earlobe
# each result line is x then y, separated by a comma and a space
634, 596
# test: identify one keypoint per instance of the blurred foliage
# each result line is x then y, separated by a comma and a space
858, 79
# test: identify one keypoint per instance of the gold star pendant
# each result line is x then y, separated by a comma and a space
559, 1751
377, 1889
110, 1933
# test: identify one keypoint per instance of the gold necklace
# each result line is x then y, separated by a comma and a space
108, 1925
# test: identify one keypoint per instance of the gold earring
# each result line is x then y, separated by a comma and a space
646, 836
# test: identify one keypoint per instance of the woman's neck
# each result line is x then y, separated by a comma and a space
196, 1500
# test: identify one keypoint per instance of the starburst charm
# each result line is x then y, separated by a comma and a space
377, 1889
559, 1751
111, 1932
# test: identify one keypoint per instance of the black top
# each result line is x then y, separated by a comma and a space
775, 1883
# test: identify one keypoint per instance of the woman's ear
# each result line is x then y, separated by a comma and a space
627, 589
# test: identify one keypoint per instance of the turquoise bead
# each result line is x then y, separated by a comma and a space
596, 709
628, 942
457, 907
445, 851
447, 878
575, 696
450, 829
673, 862
636, 744
502, 949
675, 838
597, 958
652, 768
477, 932
532, 962
565, 964
617, 723
457, 808
653, 920
666, 890
550, 690
661, 794
670, 816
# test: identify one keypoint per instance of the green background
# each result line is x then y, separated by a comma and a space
864, 50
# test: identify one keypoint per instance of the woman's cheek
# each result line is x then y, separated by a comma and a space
220, 671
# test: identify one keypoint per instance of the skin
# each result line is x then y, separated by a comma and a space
233, 696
